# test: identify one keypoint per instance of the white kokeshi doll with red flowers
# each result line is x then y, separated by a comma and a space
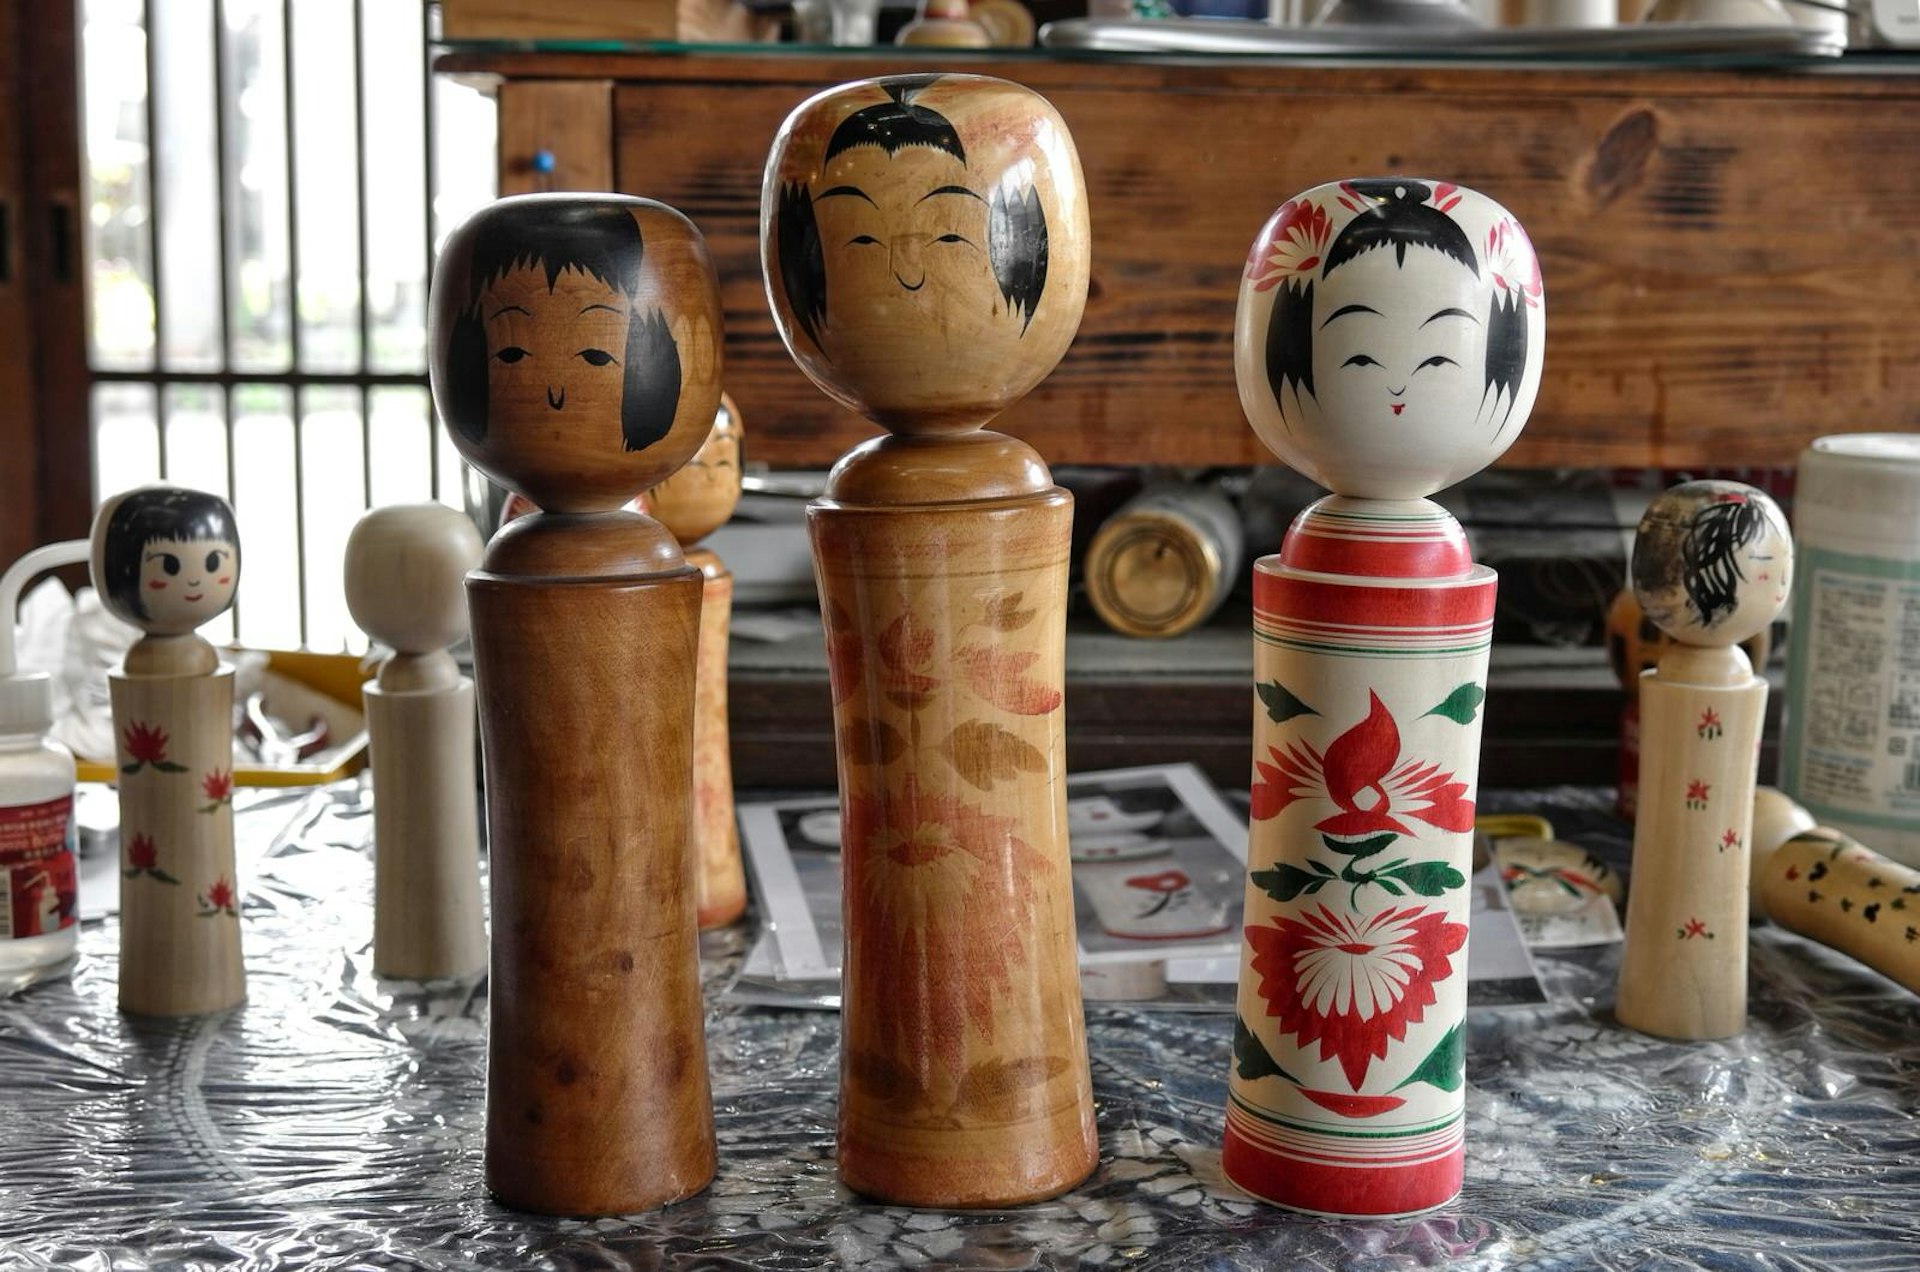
1388, 344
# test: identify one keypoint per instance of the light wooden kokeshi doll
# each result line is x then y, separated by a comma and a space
167, 561
1388, 344
693, 503
1712, 565
405, 572
926, 250
576, 360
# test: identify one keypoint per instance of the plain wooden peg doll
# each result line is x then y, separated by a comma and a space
406, 569
1712, 564
167, 560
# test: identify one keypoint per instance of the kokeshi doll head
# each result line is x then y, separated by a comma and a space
405, 570
1712, 562
699, 499
925, 244
166, 559
1390, 335
576, 345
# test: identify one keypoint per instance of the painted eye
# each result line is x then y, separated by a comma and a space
1360, 360
863, 238
170, 563
1437, 360
511, 354
950, 238
595, 357
213, 561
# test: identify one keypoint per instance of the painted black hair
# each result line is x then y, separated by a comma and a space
163, 512
600, 241
1710, 554
1399, 216
1016, 225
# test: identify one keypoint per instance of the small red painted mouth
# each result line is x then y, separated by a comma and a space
195, 596
1399, 407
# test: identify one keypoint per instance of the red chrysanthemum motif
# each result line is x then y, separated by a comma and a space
1446, 196
1511, 260
945, 893
141, 854
1353, 984
1364, 774
1293, 242
146, 743
217, 785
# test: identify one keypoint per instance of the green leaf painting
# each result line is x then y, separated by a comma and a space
1444, 1067
1281, 705
1283, 882
1251, 1059
1462, 703
1359, 847
1429, 878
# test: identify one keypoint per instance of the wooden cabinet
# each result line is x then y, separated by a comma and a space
1732, 258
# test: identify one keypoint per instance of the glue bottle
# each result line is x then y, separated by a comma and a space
39, 873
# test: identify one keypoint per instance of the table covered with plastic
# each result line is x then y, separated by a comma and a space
337, 1121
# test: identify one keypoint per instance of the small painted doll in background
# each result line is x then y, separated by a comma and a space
1404, 337
557, 336
171, 559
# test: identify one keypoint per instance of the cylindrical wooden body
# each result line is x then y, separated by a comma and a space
1683, 972
426, 836
722, 881
963, 1077
1825, 885
179, 892
1346, 1094
597, 1093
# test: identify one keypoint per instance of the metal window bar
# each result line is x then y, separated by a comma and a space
297, 379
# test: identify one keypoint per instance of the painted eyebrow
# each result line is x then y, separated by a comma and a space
508, 309
590, 308
855, 191
1344, 310
950, 189
1453, 313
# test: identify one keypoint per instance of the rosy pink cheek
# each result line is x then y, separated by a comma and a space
157, 584
224, 580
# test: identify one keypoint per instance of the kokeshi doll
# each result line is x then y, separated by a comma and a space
946, 24
1388, 344
1165, 561
692, 504
926, 251
167, 561
1712, 563
576, 360
406, 569
1828, 886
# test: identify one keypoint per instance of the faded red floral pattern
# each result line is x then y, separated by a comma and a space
1364, 774
1000, 676
846, 653
1353, 984
1512, 262
909, 852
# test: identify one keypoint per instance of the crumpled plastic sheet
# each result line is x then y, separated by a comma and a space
336, 1121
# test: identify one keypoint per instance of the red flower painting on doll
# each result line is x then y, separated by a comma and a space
1365, 776
1353, 984
219, 899
143, 859
147, 744
217, 786
1511, 259
1294, 242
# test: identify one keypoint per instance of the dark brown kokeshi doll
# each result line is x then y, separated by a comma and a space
925, 246
576, 360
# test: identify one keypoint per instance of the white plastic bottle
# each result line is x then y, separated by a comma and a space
39, 871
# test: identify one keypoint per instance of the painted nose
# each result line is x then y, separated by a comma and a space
907, 265
556, 402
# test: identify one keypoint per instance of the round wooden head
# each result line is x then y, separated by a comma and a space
1390, 335
406, 569
699, 499
165, 559
1712, 562
925, 244
576, 345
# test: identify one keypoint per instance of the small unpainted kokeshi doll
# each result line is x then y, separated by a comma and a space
576, 360
693, 503
926, 251
1388, 344
1712, 564
167, 561
406, 570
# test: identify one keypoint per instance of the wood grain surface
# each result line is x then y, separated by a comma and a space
1728, 251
